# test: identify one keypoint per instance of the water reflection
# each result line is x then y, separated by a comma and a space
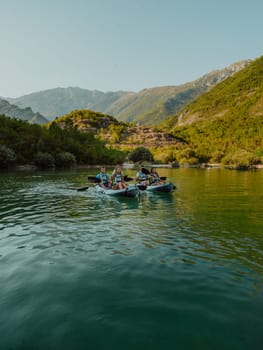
215, 217
167, 266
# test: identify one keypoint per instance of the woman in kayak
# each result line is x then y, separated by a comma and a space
117, 179
154, 177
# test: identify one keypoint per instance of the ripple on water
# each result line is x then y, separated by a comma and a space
167, 270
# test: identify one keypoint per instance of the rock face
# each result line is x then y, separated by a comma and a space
137, 136
116, 134
26, 114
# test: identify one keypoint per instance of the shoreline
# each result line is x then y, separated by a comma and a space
29, 167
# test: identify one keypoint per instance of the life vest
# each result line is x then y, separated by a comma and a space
117, 178
154, 178
103, 177
141, 176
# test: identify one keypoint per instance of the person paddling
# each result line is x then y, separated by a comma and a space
141, 176
104, 178
154, 176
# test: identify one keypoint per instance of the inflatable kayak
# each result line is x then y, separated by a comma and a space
164, 187
131, 191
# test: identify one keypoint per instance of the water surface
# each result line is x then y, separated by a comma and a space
181, 270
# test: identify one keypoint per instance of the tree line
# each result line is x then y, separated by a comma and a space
51, 146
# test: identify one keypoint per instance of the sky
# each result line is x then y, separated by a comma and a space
129, 45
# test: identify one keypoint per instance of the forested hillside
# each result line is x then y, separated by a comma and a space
50, 145
121, 135
225, 124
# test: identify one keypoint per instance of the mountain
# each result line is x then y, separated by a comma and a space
147, 107
60, 101
226, 122
21, 113
151, 106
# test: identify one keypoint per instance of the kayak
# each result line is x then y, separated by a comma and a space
131, 191
164, 187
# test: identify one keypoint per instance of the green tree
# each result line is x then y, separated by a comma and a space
65, 160
7, 157
141, 154
44, 160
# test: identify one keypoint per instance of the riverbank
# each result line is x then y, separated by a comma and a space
30, 167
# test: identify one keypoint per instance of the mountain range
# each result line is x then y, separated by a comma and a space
27, 114
222, 125
147, 107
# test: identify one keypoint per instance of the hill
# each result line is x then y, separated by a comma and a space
147, 107
21, 113
226, 123
116, 134
60, 101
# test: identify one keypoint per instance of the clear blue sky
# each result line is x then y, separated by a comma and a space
112, 45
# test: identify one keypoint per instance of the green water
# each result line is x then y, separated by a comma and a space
168, 271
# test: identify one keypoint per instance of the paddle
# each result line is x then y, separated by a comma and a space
145, 171
163, 178
127, 178
141, 187
84, 188
94, 179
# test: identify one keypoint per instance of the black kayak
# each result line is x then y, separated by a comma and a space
163, 187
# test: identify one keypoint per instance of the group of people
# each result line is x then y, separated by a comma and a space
146, 177
117, 180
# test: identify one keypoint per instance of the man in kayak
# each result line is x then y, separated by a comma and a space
141, 176
104, 178
117, 179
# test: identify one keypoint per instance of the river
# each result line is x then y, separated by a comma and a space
165, 271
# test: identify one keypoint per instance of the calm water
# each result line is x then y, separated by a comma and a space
168, 271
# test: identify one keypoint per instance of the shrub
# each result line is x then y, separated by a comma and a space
7, 156
241, 159
65, 160
141, 154
44, 160
187, 156
217, 156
